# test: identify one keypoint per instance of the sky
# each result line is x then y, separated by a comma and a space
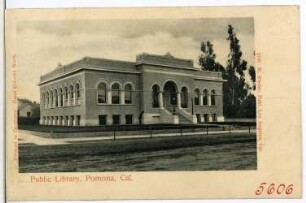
42, 45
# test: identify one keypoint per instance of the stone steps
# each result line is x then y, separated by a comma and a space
182, 119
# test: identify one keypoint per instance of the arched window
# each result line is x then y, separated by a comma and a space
128, 94
71, 92
51, 98
56, 98
101, 93
213, 98
78, 93
184, 97
61, 97
196, 97
115, 93
205, 97
43, 99
66, 96
47, 100
155, 92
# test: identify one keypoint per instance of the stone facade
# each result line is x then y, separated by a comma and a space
154, 89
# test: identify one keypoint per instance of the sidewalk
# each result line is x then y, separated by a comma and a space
29, 137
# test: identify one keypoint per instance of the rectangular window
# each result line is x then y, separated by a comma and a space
196, 100
129, 119
155, 97
71, 121
28, 114
205, 118
116, 119
115, 97
62, 100
78, 120
102, 119
128, 97
101, 96
198, 118
205, 100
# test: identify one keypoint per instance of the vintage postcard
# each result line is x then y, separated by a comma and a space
153, 103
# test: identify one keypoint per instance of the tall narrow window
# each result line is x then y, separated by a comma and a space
155, 92
115, 93
44, 99
128, 94
47, 102
78, 120
129, 119
71, 94
78, 93
197, 97
51, 98
56, 98
61, 96
116, 119
66, 96
205, 97
184, 97
206, 118
102, 119
213, 98
198, 118
102, 93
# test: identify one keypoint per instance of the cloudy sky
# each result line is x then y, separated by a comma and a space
44, 44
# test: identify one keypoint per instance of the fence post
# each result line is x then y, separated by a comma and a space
181, 131
114, 134
206, 130
249, 129
229, 128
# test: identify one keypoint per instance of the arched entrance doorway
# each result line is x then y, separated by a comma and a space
170, 94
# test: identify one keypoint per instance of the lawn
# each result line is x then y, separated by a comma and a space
92, 156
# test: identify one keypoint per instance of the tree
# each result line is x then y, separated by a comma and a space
248, 107
238, 101
253, 76
208, 57
235, 89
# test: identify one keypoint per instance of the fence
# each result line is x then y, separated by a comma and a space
141, 130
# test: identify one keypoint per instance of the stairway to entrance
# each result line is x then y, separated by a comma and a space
172, 110
182, 119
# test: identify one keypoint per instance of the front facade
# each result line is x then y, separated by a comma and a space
153, 90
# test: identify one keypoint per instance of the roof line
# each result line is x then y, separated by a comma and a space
105, 59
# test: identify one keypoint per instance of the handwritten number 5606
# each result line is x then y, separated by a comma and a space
279, 189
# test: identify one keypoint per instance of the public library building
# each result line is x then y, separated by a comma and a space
156, 89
